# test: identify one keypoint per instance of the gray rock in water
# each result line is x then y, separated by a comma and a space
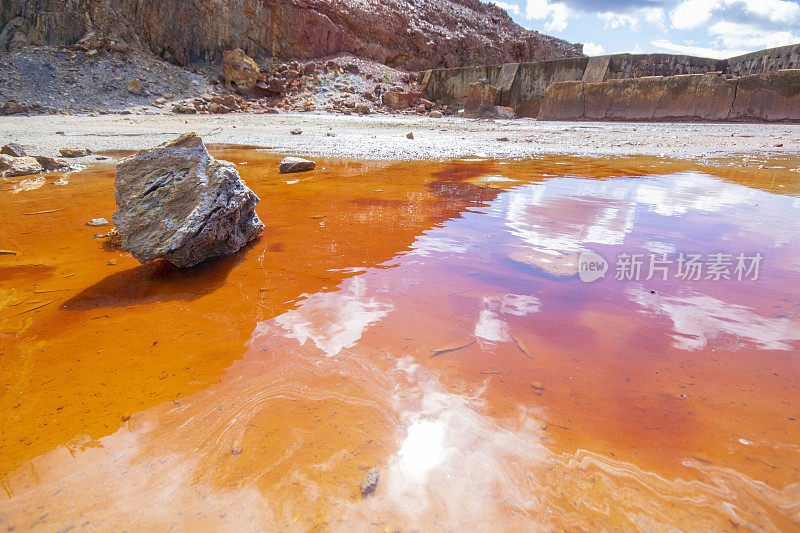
296, 164
177, 202
52, 163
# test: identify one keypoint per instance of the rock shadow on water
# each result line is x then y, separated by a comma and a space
158, 281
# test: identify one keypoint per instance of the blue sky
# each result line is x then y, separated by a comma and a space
708, 28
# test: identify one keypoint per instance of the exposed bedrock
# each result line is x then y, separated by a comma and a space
409, 34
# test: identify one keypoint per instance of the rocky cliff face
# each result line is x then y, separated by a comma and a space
409, 34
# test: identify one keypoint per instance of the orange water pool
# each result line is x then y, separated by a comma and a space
424, 318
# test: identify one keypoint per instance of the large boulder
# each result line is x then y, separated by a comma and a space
51, 164
177, 202
399, 99
240, 69
12, 108
19, 166
499, 111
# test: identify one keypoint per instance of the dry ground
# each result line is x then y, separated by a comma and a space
384, 137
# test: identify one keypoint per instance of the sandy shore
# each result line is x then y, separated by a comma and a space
384, 137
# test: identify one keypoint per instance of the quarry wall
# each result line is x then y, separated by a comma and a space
770, 96
636, 87
772, 59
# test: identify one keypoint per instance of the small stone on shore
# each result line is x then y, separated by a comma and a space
13, 149
74, 152
134, 87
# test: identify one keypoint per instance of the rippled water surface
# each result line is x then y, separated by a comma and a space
422, 318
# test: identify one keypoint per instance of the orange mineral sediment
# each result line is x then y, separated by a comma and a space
423, 318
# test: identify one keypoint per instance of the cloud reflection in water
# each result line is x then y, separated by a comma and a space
334, 320
699, 318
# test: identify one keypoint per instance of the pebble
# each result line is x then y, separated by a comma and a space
74, 152
97, 222
370, 482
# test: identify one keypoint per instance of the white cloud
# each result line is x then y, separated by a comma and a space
692, 13
744, 36
654, 16
618, 20
695, 50
592, 49
730, 38
775, 10
728, 27
511, 8
556, 12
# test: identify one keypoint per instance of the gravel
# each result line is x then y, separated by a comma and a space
52, 79
384, 136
